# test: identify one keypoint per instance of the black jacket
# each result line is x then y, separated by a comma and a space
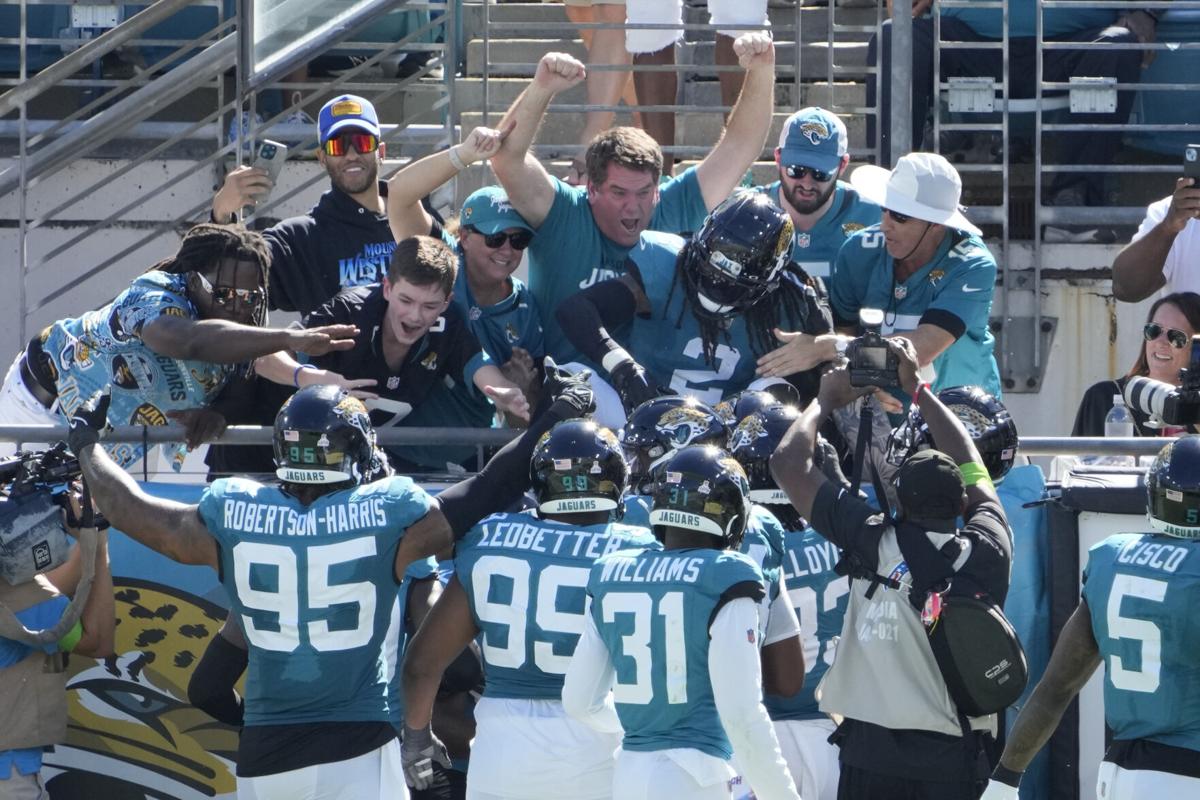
336, 245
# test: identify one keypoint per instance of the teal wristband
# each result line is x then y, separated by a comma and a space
974, 473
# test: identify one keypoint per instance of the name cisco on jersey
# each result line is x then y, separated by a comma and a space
521, 535
1156, 555
248, 517
663, 569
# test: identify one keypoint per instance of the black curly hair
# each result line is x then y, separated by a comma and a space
204, 246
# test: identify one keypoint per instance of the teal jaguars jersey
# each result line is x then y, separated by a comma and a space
513, 322
570, 253
667, 341
653, 610
316, 593
1143, 591
953, 291
525, 580
815, 250
104, 348
819, 596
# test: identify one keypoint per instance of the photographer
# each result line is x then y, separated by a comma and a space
33, 680
902, 736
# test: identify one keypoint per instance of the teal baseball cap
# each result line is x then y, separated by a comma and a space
814, 138
488, 211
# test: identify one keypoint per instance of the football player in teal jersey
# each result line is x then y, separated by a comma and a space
673, 635
925, 266
312, 567
811, 156
701, 310
519, 587
1137, 617
818, 595
655, 430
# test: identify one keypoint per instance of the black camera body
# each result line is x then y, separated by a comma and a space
32, 537
872, 363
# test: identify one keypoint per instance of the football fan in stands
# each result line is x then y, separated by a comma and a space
585, 233
1172, 322
526, 747
901, 735
1137, 617
701, 310
1094, 26
497, 306
655, 47
165, 346
412, 339
825, 210
1165, 249
686, 692
925, 266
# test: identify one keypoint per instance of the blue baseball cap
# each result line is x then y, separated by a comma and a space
347, 111
488, 211
813, 137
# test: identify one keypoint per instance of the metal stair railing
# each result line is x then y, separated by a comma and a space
68, 139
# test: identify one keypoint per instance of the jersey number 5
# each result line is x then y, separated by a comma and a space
1140, 630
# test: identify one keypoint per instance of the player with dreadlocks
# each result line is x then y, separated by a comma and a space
166, 345
702, 310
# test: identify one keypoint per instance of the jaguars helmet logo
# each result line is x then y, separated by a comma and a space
683, 424
814, 131
730, 464
851, 227
747, 432
354, 413
608, 437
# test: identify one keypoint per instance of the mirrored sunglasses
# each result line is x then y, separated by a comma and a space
1176, 337
796, 172
226, 295
340, 144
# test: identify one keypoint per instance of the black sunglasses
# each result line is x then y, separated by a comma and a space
1177, 338
897, 216
796, 172
519, 240
226, 295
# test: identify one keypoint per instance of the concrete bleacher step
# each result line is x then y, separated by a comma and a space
501, 92
814, 21
699, 128
519, 57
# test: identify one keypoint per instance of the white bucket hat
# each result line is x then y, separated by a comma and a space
922, 185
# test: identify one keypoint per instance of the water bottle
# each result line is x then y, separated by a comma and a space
1118, 423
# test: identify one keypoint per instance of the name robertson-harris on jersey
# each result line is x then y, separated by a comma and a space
336, 518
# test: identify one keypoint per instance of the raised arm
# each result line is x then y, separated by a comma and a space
406, 216
171, 528
219, 341
746, 133
1137, 271
529, 187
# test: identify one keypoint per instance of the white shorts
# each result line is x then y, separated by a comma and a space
1116, 783
666, 12
531, 750
678, 774
376, 775
811, 759
19, 407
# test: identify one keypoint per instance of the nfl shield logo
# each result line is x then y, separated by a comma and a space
803, 239
393, 382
